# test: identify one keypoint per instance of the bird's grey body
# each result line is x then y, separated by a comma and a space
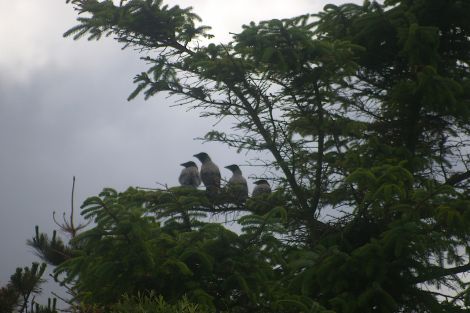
262, 187
210, 173
237, 185
190, 175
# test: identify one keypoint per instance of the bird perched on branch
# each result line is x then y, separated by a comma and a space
190, 175
210, 173
237, 185
262, 187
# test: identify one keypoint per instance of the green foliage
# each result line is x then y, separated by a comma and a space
145, 241
18, 295
154, 304
52, 250
9, 299
50, 308
151, 22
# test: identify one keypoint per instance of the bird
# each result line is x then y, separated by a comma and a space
262, 187
189, 175
237, 185
210, 173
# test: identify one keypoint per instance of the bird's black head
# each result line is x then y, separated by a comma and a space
202, 157
233, 168
261, 181
189, 164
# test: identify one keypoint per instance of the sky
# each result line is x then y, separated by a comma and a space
64, 113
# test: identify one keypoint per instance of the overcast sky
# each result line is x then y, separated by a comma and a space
63, 112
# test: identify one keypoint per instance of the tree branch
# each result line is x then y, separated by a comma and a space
436, 272
457, 178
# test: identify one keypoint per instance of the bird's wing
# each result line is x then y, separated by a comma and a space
190, 177
195, 176
238, 186
210, 175
185, 177
261, 189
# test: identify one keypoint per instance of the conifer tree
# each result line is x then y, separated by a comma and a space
18, 296
365, 110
